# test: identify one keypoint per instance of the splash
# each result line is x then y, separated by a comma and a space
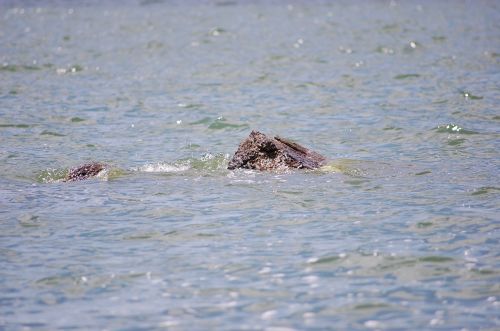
59, 175
207, 163
51, 175
162, 167
210, 162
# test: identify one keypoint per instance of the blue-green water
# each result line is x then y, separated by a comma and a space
401, 231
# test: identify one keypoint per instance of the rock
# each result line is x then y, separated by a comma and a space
261, 152
84, 171
258, 152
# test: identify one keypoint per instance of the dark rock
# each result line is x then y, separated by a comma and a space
84, 171
258, 152
261, 152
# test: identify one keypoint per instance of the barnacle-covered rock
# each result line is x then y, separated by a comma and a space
84, 171
261, 152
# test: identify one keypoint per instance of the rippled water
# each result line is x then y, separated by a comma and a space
399, 231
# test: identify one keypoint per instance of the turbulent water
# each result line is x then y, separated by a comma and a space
400, 231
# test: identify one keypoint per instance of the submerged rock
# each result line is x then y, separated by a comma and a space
84, 171
258, 152
261, 152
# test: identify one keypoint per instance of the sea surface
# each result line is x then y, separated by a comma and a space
399, 232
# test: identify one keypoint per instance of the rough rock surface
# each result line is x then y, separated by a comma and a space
84, 171
261, 152
258, 152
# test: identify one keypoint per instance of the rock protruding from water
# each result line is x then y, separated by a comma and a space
261, 152
84, 171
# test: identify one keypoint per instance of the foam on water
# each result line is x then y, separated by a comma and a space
162, 167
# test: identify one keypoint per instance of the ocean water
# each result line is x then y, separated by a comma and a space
399, 232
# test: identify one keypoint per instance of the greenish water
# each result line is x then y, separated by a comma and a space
399, 231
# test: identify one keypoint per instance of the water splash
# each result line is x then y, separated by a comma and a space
209, 162
206, 163
162, 167
69, 70
58, 175
51, 175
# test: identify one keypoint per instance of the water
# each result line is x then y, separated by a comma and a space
400, 231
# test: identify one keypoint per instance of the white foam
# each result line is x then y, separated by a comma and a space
162, 167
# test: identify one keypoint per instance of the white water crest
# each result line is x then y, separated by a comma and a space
162, 167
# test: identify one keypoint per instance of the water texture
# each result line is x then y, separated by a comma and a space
400, 231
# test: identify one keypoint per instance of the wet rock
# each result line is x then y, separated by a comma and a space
261, 152
258, 152
84, 171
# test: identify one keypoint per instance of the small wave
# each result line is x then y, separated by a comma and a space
51, 133
209, 162
219, 124
453, 128
18, 67
406, 76
17, 126
469, 96
347, 167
